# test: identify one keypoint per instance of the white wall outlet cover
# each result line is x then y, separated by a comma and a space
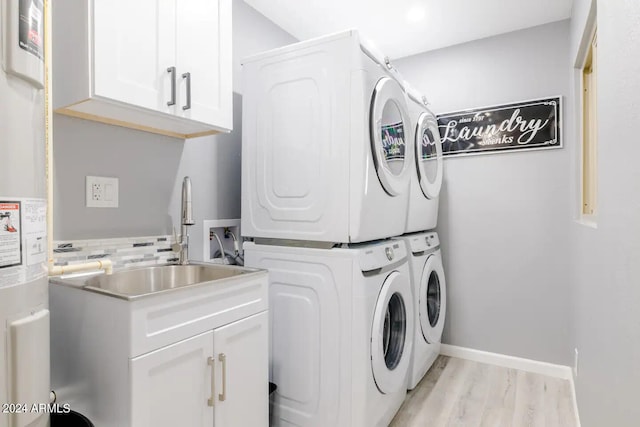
101, 192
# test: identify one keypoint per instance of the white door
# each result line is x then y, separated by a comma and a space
241, 370
428, 155
391, 334
390, 128
171, 386
134, 48
432, 299
204, 61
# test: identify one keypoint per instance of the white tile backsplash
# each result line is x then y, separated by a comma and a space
123, 252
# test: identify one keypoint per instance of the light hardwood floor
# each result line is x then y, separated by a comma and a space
463, 393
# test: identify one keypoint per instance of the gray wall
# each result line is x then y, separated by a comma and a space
606, 260
504, 218
151, 167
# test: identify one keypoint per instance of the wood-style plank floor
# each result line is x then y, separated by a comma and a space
463, 393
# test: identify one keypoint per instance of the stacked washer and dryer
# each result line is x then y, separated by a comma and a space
425, 261
328, 174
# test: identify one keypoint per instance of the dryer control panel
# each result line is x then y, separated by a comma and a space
424, 242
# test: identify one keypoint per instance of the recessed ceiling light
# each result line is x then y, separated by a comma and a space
416, 13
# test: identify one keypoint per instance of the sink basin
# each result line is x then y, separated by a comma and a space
138, 282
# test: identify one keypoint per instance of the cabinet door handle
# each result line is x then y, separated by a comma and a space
172, 71
188, 104
212, 362
223, 358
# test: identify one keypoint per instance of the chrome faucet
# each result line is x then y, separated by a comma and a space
186, 220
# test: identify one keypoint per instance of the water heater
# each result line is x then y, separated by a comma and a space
24, 315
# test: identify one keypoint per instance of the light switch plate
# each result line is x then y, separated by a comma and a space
101, 192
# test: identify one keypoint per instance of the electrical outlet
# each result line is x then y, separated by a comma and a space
102, 192
575, 362
96, 192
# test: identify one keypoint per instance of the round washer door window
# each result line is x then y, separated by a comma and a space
391, 334
428, 155
432, 299
390, 128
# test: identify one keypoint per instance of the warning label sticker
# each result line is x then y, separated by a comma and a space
31, 27
10, 234
34, 223
23, 240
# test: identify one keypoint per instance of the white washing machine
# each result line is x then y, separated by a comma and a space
341, 332
324, 154
426, 177
430, 302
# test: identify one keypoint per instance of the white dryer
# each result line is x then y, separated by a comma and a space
341, 332
430, 301
324, 132
426, 177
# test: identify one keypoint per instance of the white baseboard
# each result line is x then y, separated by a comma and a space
528, 365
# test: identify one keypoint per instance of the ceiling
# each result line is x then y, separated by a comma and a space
405, 27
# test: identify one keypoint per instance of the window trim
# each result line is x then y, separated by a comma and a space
587, 75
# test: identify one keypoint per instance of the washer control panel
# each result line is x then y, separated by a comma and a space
379, 255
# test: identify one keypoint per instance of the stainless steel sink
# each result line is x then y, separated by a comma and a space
130, 284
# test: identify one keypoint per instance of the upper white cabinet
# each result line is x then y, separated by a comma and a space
163, 66
134, 45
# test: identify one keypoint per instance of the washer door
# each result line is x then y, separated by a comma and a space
429, 155
389, 122
391, 334
432, 299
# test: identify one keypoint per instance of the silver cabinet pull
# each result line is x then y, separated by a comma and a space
188, 104
212, 362
172, 71
223, 358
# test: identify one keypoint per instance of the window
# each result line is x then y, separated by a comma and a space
590, 132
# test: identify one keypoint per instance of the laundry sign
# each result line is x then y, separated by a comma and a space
523, 125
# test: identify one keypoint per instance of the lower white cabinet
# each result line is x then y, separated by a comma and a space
197, 357
241, 391
170, 386
219, 375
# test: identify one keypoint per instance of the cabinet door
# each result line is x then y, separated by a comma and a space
242, 389
134, 45
204, 51
170, 386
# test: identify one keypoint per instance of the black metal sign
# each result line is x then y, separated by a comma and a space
517, 126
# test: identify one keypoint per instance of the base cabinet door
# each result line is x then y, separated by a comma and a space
171, 387
242, 385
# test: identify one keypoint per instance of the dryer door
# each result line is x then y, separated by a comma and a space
391, 334
429, 155
432, 299
390, 128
